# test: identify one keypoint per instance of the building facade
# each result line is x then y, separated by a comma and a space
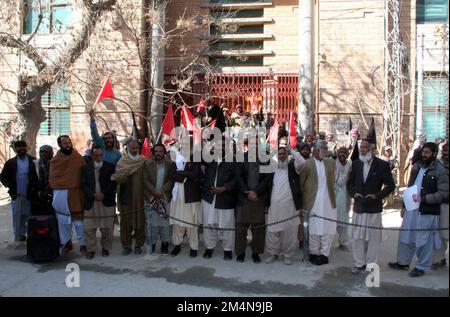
250, 53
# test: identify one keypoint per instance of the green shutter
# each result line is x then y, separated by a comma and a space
432, 11
32, 18
61, 18
435, 107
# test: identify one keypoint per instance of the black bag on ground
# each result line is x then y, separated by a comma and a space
43, 238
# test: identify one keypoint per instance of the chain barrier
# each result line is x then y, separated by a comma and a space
310, 214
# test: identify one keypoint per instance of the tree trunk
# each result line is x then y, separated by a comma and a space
30, 115
145, 68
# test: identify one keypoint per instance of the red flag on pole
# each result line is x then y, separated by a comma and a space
168, 124
201, 105
272, 138
187, 118
292, 132
106, 91
145, 151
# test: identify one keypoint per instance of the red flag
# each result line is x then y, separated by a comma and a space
187, 118
106, 91
292, 132
201, 105
145, 151
272, 138
254, 103
168, 124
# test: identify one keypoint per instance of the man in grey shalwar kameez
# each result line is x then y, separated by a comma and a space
431, 178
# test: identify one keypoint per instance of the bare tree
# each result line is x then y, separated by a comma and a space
28, 105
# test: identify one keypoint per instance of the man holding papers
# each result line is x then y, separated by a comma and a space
431, 179
369, 182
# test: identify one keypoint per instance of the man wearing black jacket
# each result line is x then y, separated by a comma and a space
218, 203
251, 208
365, 184
20, 177
100, 202
431, 178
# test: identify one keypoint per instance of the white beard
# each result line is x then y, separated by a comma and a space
133, 157
365, 158
98, 164
283, 165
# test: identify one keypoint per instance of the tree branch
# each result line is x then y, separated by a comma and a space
8, 40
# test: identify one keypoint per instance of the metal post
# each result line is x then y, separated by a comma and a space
419, 111
306, 237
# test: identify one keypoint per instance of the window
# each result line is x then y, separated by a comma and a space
435, 107
432, 11
243, 29
56, 103
235, 61
250, 45
56, 16
233, 14
235, 1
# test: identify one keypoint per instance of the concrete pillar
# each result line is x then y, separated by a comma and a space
157, 63
305, 100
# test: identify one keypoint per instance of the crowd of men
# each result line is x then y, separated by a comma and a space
166, 200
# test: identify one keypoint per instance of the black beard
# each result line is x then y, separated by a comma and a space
426, 163
67, 151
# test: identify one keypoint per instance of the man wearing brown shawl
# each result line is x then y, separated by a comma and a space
128, 176
68, 200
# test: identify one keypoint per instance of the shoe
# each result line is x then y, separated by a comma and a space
83, 250
256, 258
439, 264
227, 255
193, 253
313, 258
67, 247
357, 270
271, 259
105, 252
137, 250
90, 255
22, 238
287, 260
126, 251
164, 248
240, 257
321, 260
397, 266
416, 272
175, 250
344, 248
208, 253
